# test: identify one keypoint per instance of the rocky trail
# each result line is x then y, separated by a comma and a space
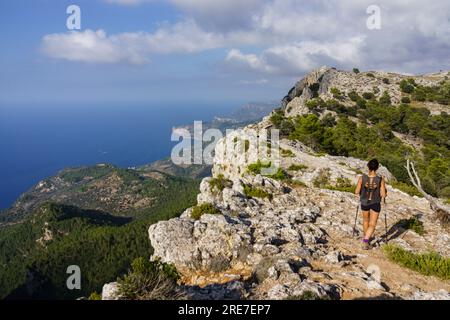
301, 240
290, 236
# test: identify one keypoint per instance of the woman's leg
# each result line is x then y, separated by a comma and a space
373, 218
366, 218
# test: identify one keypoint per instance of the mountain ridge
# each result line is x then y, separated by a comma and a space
290, 235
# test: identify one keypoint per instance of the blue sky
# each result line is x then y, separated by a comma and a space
183, 51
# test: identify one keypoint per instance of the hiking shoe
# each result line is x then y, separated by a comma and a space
365, 245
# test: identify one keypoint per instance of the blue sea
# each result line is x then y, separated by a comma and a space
38, 141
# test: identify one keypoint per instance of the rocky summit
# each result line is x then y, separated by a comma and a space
290, 235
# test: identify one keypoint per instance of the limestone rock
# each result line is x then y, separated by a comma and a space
109, 291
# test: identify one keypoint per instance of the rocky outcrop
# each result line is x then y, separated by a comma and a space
110, 291
295, 240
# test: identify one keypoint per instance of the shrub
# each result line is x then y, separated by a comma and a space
336, 93
328, 121
95, 296
287, 153
279, 175
368, 95
355, 70
386, 81
255, 168
246, 145
361, 103
342, 184
419, 95
371, 75
375, 90
406, 100
282, 123
205, 208
253, 192
430, 264
297, 167
220, 183
149, 280
353, 96
406, 86
407, 188
385, 98
276, 118
322, 179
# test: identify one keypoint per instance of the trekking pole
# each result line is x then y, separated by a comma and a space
356, 217
385, 221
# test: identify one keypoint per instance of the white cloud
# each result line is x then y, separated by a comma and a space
89, 46
299, 57
291, 35
251, 61
133, 47
254, 82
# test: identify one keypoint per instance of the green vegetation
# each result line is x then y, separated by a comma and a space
371, 75
368, 95
297, 167
149, 280
219, 183
412, 224
322, 180
342, 184
253, 192
407, 188
246, 145
386, 81
78, 174
256, 168
406, 100
406, 86
430, 264
355, 70
102, 245
346, 138
337, 94
297, 183
95, 296
385, 99
439, 93
206, 208
287, 153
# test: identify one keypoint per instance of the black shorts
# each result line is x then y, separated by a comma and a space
374, 206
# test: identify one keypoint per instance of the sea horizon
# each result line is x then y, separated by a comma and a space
39, 141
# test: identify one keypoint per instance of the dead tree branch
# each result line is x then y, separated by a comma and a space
442, 211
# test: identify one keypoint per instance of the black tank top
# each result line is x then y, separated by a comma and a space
370, 190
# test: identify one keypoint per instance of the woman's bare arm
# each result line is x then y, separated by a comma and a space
358, 186
383, 190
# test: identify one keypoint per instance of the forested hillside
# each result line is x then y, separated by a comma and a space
36, 251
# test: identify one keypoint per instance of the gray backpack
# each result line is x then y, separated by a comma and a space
370, 190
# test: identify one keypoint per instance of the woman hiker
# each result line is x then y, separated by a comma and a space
372, 190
